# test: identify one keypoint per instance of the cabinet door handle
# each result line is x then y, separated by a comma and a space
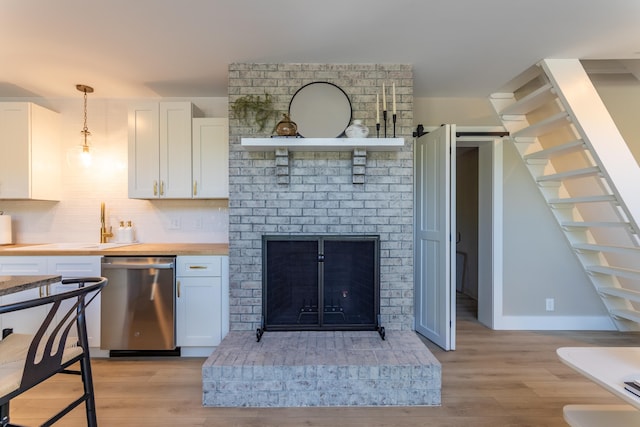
162, 188
178, 283
197, 267
44, 291
155, 188
195, 188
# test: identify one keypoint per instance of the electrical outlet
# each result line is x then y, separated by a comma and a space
197, 224
550, 304
174, 224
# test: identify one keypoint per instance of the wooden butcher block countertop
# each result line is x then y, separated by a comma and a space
139, 249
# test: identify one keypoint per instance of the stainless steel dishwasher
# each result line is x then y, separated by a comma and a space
138, 310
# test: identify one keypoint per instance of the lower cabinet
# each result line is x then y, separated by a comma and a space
202, 303
80, 266
202, 297
28, 321
23, 321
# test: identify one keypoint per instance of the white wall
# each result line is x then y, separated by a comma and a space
538, 261
77, 216
620, 93
459, 111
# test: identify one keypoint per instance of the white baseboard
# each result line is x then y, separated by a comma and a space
555, 323
98, 352
196, 351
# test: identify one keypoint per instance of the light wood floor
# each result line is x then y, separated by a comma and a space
494, 378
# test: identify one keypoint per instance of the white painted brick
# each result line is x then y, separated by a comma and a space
317, 194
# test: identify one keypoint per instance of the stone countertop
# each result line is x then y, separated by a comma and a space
11, 284
139, 249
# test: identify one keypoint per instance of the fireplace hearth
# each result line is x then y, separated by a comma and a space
322, 369
327, 282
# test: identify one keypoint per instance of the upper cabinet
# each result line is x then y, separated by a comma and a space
210, 158
174, 156
30, 152
160, 150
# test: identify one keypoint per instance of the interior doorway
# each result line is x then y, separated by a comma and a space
467, 194
479, 222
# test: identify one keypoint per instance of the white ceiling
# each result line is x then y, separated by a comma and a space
174, 48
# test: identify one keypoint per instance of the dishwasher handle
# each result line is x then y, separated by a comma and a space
137, 266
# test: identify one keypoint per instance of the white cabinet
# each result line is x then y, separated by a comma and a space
175, 149
30, 152
160, 150
202, 302
175, 156
144, 151
73, 267
210, 158
28, 321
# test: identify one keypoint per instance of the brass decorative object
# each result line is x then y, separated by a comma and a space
286, 127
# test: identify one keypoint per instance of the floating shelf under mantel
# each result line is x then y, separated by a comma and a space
322, 144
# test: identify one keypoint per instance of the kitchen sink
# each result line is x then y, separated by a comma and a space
70, 246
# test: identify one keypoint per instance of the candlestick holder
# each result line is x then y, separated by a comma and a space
378, 130
394, 125
384, 118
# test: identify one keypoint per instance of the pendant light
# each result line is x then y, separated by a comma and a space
81, 155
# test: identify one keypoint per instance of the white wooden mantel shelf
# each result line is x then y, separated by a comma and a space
322, 144
359, 147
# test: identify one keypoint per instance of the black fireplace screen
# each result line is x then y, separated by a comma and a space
321, 282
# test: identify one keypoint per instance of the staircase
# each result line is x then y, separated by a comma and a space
585, 172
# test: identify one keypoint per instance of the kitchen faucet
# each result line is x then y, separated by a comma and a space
104, 234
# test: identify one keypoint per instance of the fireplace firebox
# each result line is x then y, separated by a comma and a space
328, 282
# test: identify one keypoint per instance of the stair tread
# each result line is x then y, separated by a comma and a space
585, 199
606, 224
627, 314
530, 102
528, 75
622, 293
606, 248
576, 145
577, 173
542, 127
615, 271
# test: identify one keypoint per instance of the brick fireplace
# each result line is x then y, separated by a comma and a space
320, 197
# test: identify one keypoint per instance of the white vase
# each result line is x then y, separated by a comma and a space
357, 130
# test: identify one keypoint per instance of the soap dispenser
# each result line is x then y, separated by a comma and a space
129, 233
120, 238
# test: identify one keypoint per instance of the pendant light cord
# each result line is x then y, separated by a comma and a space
85, 130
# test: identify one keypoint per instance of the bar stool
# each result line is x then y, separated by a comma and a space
27, 360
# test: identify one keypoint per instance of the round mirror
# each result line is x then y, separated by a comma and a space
321, 110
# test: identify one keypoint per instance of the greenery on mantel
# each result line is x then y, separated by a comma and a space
254, 107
